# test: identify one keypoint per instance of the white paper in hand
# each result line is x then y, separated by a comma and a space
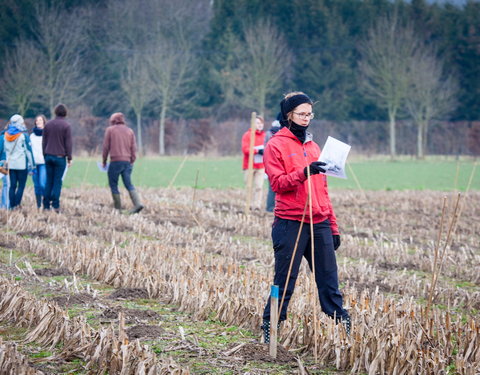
101, 168
335, 154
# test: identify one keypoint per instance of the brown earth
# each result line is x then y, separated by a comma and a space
144, 331
260, 352
129, 294
50, 272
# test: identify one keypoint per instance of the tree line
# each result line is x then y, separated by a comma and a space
370, 60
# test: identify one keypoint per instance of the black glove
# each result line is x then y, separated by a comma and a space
260, 151
336, 241
315, 168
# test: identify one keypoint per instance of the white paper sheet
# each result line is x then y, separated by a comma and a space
101, 168
335, 154
258, 158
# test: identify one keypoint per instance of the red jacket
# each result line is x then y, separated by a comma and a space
285, 158
259, 138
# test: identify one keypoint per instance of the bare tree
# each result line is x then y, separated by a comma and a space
385, 62
22, 74
260, 63
171, 69
60, 37
137, 85
431, 93
172, 60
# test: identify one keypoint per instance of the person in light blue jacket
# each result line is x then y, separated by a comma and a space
4, 177
19, 156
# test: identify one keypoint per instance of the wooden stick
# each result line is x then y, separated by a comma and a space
195, 188
178, 171
356, 180
451, 230
273, 320
250, 163
312, 242
435, 260
471, 177
293, 257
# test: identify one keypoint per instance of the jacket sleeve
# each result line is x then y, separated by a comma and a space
246, 143
106, 146
133, 149
280, 180
44, 139
28, 147
332, 218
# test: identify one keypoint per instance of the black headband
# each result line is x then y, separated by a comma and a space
288, 105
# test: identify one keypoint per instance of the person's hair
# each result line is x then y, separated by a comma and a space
60, 110
261, 119
289, 95
293, 93
43, 117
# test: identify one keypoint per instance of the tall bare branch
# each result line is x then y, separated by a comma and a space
385, 66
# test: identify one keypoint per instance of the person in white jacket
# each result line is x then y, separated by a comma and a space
19, 157
39, 176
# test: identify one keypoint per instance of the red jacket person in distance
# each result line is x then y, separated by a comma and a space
258, 168
290, 156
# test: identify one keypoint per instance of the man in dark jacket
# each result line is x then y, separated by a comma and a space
119, 142
57, 149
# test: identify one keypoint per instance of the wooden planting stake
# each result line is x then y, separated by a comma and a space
250, 163
314, 300
273, 320
195, 189
177, 172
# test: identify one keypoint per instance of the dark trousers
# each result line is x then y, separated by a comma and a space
55, 168
270, 199
18, 179
284, 235
117, 169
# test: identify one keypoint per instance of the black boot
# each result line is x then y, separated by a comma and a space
347, 323
39, 200
266, 330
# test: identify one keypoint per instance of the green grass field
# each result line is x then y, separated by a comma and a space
372, 174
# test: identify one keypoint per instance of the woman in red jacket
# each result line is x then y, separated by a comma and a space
258, 169
287, 158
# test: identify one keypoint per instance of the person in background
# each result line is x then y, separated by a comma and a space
119, 142
4, 203
258, 168
18, 152
290, 157
270, 133
57, 151
39, 176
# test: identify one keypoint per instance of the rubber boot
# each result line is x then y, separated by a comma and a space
137, 206
347, 323
266, 331
39, 200
117, 201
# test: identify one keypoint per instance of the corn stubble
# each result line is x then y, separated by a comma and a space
205, 260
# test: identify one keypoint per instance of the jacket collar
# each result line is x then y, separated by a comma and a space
285, 132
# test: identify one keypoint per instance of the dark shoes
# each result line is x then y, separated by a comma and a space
266, 330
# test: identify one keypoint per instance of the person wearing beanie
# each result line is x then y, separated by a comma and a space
19, 158
290, 160
57, 151
119, 142
258, 168
39, 176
